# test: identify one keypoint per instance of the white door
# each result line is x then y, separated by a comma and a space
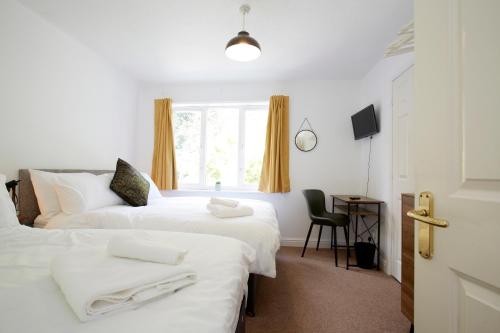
402, 157
457, 149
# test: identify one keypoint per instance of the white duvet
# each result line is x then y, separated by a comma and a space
189, 214
30, 301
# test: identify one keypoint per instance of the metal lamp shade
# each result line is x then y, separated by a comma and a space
243, 47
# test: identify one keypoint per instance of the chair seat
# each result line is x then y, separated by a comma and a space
335, 219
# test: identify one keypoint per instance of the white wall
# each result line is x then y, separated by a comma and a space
334, 166
61, 105
376, 89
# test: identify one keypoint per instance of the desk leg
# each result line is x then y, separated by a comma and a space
347, 240
356, 226
378, 237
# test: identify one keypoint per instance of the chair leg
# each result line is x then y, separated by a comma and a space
331, 240
307, 239
319, 236
335, 246
347, 240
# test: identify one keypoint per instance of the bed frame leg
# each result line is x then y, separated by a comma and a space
241, 328
252, 294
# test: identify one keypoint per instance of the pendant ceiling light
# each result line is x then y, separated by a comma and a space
243, 47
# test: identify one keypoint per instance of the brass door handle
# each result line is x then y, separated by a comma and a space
422, 215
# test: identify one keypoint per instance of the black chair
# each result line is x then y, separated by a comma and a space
319, 216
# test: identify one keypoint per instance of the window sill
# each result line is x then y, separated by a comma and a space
229, 193
202, 190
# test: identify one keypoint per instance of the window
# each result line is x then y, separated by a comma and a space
220, 142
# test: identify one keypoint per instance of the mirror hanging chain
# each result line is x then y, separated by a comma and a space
308, 124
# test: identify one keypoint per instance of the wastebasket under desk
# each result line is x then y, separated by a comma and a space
359, 208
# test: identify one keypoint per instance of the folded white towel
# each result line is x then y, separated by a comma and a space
96, 284
143, 249
224, 202
225, 212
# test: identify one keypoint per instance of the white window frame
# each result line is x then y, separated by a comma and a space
203, 109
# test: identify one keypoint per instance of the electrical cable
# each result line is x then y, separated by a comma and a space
368, 171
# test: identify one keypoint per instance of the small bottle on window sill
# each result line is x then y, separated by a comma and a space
217, 186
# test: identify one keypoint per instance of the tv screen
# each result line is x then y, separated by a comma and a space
364, 123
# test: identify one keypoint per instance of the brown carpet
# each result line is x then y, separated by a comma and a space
310, 294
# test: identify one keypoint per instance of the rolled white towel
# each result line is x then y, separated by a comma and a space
226, 212
143, 249
97, 285
224, 202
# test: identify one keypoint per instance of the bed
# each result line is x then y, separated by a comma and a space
186, 214
30, 300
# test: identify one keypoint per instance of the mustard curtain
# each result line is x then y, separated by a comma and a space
163, 171
274, 176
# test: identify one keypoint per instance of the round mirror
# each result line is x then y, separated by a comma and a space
305, 140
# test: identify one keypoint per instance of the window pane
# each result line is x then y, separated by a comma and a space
187, 129
222, 146
255, 138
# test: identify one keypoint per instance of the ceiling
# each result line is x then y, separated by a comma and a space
184, 40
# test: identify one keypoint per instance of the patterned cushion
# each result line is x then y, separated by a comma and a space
130, 185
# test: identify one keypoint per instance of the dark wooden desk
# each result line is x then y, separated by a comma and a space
359, 208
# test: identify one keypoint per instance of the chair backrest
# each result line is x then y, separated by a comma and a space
315, 202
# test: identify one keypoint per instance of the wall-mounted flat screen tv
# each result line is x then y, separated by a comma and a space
364, 123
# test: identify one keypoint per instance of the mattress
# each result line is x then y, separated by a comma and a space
30, 301
189, 214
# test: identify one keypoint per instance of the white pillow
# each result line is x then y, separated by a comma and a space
8, 216
105, 196
94, 192
43, 184
154, 192
70, 199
